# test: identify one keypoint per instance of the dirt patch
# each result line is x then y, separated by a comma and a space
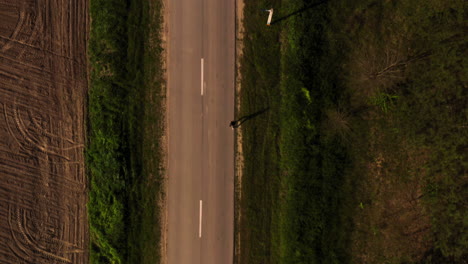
43, 89
239, 158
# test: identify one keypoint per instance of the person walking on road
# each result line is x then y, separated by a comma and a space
233, 124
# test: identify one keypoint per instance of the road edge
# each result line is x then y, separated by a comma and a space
238, 154
165, 140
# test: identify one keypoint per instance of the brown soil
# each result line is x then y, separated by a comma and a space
43, 89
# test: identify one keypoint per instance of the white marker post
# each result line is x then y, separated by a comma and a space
269, 16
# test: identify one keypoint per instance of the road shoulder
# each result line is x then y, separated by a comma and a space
238, 154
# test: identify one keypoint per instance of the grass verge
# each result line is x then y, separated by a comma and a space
260, 93
126, 126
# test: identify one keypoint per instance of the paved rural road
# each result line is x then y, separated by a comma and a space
201, 105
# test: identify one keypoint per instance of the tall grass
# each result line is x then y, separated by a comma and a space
359, 93
124, 65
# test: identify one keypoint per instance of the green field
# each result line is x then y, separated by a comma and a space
361, 156
125, 126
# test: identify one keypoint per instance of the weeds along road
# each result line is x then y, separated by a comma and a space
200, 107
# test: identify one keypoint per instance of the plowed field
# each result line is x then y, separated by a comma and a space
43, 87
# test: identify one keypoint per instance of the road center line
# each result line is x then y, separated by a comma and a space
201, 76
200, 224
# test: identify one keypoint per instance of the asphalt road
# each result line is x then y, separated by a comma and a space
201, 144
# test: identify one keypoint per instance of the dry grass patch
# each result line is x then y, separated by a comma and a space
392, 225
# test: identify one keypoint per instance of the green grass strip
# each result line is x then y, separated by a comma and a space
124, 108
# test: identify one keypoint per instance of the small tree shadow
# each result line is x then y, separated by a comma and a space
237, 123
305, 8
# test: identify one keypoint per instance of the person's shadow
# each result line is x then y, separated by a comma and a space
305, 8
237, 123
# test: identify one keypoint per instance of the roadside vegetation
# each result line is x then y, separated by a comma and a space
362, 154
124, 153
260, 67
